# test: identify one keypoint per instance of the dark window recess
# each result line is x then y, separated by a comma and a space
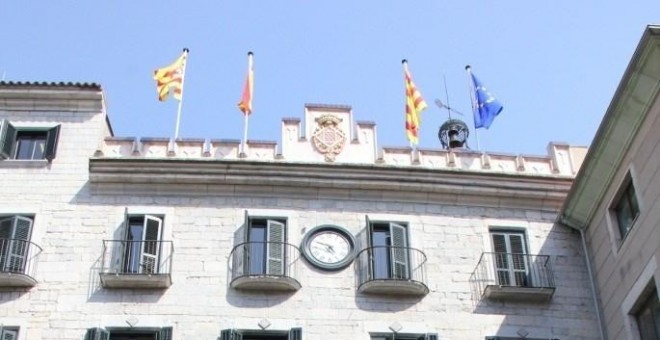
428, 336
626, 209
164, 333
28, 143
648, 318
233, 334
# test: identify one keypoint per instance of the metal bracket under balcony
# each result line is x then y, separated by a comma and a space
136, 264
513, 277
18, 262
265, 266
390, 270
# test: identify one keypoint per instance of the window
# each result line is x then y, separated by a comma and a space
27, 143
142, 244
509, 257
261, 247
428, 336
626, 208
233, 334
164, 333
648, 318
8, 333
389, 244
15, 234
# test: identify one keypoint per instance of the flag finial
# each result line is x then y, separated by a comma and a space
404, 61
186, 50
250, 53
467, 67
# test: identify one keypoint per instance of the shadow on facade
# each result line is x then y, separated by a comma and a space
256, 299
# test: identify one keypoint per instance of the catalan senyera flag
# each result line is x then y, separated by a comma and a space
171, 77
415, 104
245, 105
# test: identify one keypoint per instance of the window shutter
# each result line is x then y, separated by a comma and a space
431, 336
165, 333
97, 334
295, 334
363, 257
18, 249
230, 334
51, 142
240, 255
150, 245
275, 248
6, 227
7, 139
399, 251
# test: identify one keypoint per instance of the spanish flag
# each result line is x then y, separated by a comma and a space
415, 104
245, 105
171, 77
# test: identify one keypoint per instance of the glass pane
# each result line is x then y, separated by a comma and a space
39, 148
133, 248
380, 240
24, 148
257, 249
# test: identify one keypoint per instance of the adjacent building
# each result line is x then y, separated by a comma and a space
615, 201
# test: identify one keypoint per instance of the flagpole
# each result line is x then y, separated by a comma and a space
474, 106
247, 114
183, 79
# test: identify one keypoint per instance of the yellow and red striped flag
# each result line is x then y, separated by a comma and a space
171, 77
245, 105
415, 104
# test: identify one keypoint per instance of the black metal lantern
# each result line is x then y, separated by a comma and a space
453, 134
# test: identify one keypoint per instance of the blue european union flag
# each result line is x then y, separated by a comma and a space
487, 106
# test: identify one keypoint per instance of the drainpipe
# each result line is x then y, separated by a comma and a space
601, 326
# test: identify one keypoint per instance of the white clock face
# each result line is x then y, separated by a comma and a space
329, 247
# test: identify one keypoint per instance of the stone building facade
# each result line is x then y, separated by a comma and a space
328, 236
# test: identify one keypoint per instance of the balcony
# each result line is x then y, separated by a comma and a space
136, 264
18, 262
513, 277
390, 270
265, 266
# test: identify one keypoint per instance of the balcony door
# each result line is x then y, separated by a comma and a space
142, 244
15, 234
265, 248
510, 258
389, 256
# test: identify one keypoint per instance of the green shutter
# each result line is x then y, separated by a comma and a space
51, 142
399, 251
97, 334
230, 334
19, 245
275, 248
7, 139
431, 336
165, 333
8, 334
295, 334
6, 232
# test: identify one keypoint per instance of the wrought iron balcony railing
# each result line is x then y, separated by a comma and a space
392, 270
265, 266
18, 257
513, 276
136, 264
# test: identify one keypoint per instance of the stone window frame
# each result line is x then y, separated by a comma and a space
616, 237
647, 281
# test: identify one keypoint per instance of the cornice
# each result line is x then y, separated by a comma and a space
340, 181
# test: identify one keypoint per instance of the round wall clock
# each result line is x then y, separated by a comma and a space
329, 247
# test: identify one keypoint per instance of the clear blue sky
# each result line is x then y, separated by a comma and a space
553, 64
